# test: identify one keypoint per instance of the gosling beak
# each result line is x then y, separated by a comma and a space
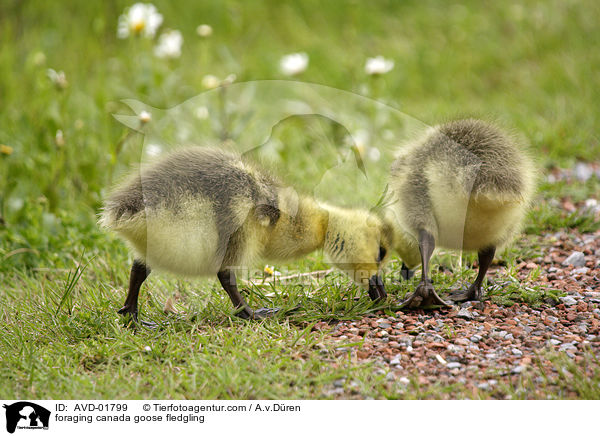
376, 288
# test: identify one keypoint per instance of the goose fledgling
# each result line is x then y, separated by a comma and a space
463, 185
201, 211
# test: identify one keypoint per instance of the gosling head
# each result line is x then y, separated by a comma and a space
358, 243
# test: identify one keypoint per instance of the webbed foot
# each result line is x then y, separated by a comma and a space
424, 296
133, 314
472, 293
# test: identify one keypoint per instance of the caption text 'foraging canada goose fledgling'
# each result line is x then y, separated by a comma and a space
464, 185
201, 211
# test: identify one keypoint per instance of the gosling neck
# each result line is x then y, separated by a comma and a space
300, 230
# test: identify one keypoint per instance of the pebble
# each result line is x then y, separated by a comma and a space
383, 324
465, 313
577, 259
582, 171
339, 383
336, 391
567, 346
592, 206
568, 300
517, 369
447, 346
454, 348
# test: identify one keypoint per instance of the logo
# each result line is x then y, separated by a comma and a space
26, 415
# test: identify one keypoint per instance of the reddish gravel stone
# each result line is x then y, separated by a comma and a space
511, 341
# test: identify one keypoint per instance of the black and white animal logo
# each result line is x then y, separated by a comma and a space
26, 415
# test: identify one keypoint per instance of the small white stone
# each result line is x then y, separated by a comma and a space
582, 270
404, 380
568, 300
577, 259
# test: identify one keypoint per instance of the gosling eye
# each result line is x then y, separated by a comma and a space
382, 253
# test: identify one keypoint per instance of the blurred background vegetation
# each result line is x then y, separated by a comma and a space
529, 65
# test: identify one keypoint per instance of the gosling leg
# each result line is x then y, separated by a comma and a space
475, 292
425, 294
139, 273
406, 273
376, 289
229, 282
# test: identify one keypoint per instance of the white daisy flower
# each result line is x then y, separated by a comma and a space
210, 82
145, 117
378, 65
58, 78
59, 138
139, 19
169, 44
204, 30
293, 64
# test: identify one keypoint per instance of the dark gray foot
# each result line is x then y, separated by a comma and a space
133, 314
265, 312
424, 296
473, 293
127, 310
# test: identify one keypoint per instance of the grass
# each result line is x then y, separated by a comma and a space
529, 66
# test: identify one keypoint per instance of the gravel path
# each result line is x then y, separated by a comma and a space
484, 345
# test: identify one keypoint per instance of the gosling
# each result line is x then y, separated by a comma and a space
463, 185
202, 211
